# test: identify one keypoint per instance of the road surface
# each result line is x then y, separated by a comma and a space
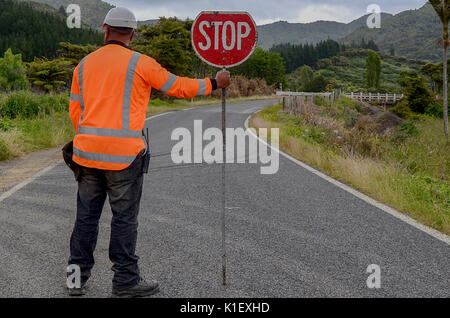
292, 234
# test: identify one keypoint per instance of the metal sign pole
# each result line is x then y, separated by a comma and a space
235, 56
224, 136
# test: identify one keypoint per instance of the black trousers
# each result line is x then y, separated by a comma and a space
124, 189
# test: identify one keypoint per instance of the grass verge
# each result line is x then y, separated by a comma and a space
409, 169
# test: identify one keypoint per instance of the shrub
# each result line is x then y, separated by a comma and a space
435, 110
317, 84
402, 109
12, 72
416, 92
50, 75
243, 87
21, 105
27, 105
405, 131
50, 103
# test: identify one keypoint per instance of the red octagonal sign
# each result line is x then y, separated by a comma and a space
224, 38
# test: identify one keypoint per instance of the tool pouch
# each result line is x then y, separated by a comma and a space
67, 155
147, 155
146, 162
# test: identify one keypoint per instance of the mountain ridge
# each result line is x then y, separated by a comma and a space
411, 33
312, 32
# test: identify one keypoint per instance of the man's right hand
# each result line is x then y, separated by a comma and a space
223, 79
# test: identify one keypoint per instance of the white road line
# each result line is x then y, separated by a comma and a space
27, 181
159, 115
430, 231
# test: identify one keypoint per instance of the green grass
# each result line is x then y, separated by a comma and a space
30, 122
410, 173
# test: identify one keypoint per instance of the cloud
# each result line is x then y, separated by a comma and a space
267, 11
325, 12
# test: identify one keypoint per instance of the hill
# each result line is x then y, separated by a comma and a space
148, 22
412, 33
348, 70
43, 7
312, 33
93, 12
35, 31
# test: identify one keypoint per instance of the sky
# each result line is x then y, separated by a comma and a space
267, 11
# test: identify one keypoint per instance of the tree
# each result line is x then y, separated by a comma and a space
306, 75
306, 54
373, 72
442, 8
317, 84
62, 11
168, 42
418, 96
74, 53
50, 75
35, 33
434, 74
263, 64
12, 72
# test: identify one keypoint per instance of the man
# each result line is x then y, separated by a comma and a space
110, 92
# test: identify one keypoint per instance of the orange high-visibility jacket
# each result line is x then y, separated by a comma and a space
110, 93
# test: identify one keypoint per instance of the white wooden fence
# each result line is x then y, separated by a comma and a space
307, 96
299, 102
372, 97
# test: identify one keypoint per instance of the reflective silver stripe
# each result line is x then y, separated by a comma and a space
80, 83
131, 70
75, 98
169, 83
104, 132
102, 157
202, 88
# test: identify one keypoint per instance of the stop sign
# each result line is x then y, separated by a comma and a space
224, 38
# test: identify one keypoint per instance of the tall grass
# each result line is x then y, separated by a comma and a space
411, 174
29, 122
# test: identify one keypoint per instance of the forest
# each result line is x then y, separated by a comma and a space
34, 33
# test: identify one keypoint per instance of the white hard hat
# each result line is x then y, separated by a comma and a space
121, 17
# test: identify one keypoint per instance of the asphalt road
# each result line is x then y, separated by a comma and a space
292, 234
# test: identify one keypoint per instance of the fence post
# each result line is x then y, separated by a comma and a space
284, 103
353, 95
295, 106
303, 103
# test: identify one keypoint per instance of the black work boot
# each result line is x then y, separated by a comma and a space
77, 292
142, 289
